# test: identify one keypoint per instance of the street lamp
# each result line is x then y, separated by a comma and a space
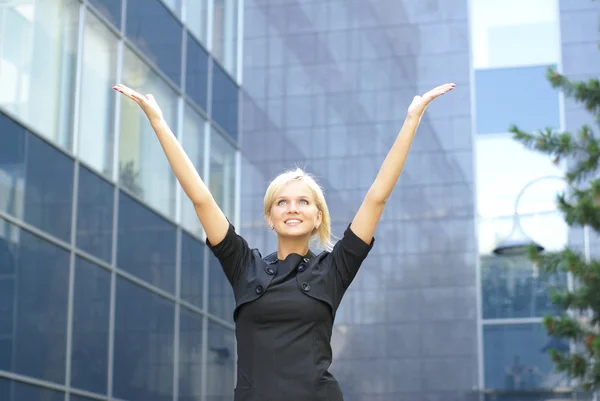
517, 242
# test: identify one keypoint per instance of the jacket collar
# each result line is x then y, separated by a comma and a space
272, 258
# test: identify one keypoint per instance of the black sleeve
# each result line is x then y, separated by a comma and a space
233, 253
348, 254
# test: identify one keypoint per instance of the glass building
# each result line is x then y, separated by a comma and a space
107, 291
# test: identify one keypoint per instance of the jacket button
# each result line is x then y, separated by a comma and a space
270, 271
302, 267
259, 289
306, 260
305, 287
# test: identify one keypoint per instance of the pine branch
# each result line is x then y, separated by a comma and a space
584, 92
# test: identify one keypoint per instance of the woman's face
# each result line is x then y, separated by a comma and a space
294, 212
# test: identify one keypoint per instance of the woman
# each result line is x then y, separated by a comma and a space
286, 301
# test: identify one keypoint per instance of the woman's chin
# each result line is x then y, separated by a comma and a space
295, 231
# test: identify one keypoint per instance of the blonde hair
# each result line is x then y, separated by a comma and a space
324, 230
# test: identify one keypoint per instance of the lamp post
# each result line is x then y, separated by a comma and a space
517, 242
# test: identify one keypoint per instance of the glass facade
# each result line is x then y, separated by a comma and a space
107, 290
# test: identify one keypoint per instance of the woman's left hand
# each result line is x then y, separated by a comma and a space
420, 103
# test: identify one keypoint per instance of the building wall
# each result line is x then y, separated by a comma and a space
326, 87
107, 290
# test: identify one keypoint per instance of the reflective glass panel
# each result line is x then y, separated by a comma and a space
97, 112
225, 15
91, 312
162, 46
516, 358
146, 244
143, 362
34, 281
190, 355
36, 180
95, 215
220, 363
38, 65
504, 32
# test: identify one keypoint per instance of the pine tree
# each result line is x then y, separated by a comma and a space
580, 206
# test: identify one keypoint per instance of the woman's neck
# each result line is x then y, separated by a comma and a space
287, 246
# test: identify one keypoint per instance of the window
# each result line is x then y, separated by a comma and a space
194, 145
36, 180
110, 9
146, 244
507, 33
196, 18
196, 81
174, 5
34, 281
222, 173
225, 101
515, 357
220, 360
95, 215
91, 311
143, 364
38, 45
520, 95
499, 182
510, 289
225, 38
162, 46
98, 76
143, 167
221, 301
192, 270
190, 355
11, 390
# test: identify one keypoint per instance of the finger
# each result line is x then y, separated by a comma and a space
127, 91
438, 91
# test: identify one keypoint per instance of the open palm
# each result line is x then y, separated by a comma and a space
147, 102
420, 103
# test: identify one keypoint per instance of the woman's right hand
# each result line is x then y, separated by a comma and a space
147, 103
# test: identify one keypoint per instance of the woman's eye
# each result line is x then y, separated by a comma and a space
304, 202
281, 202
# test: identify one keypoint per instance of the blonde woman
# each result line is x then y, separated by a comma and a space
286, 302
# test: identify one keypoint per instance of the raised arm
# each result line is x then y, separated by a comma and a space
368, 215
213, 219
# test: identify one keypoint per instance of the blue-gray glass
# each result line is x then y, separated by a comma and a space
38, 180
221, 302
515, 95
156, 32
190, 355
74, 397
95, 215
146, 245
192, 269
516, 358
91, 313
143, 355
196, 77
224, 101
110, 9
35, 292
11, 390
220, 363
510, 289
